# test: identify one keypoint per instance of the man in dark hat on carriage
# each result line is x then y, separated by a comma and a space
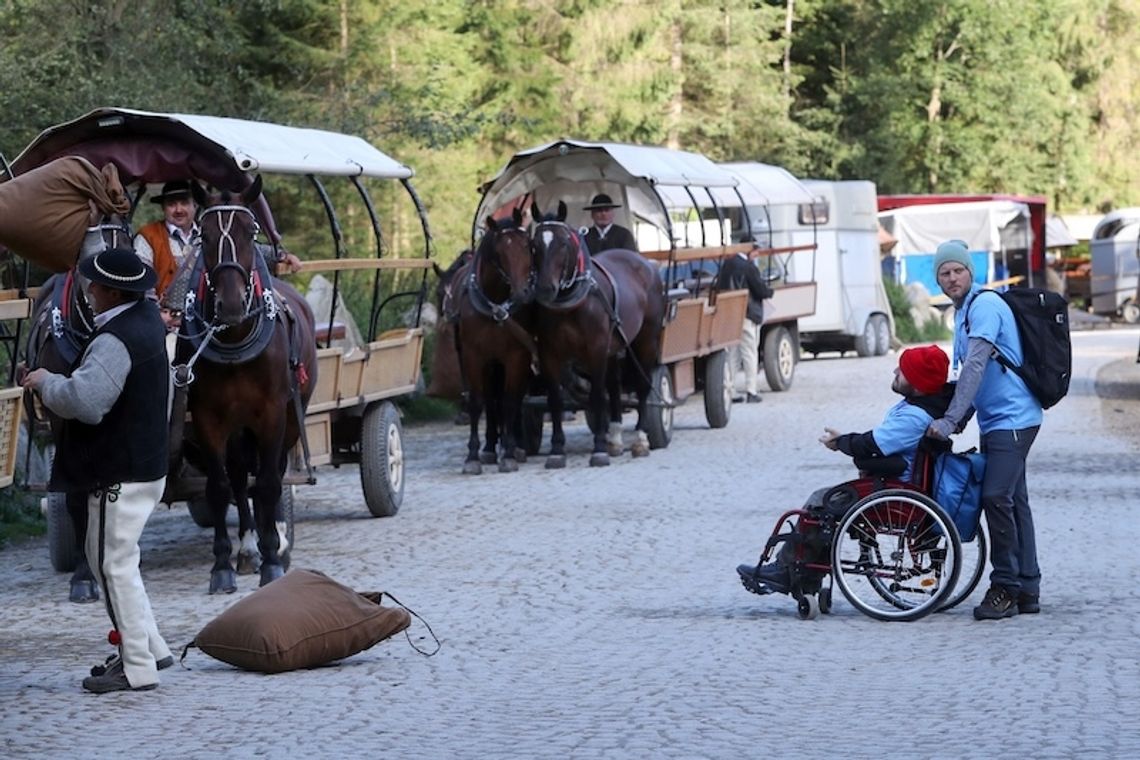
170, 244
113, 445
604, 234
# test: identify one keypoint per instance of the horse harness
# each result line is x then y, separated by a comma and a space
501, 313
199, 333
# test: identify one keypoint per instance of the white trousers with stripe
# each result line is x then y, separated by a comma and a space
115, 521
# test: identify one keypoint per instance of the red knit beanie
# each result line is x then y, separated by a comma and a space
925, 368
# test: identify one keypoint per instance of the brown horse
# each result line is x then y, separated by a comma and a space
496, 349
601, 318
247, 341
62, 323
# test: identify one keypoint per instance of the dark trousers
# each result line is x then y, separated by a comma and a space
1005, 500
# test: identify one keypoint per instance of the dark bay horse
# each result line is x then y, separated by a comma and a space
247, 340
496, 349
62, 323
602, 317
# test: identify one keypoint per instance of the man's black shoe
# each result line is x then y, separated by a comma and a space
113, 681
999, 603
115, 663
1028, 604
772, 578
753, 398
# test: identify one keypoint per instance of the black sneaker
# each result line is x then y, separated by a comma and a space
999, 603
753, 398
767, 579
1028, 604
113, 680
114, 662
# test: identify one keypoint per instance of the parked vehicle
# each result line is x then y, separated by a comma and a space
851, 311
1115, 266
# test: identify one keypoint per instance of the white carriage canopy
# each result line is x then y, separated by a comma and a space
158, 147
637, 176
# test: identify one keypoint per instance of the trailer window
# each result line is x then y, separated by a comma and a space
814, 213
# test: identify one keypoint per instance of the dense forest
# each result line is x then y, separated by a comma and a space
1017, 96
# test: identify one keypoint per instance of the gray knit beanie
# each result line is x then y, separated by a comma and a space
956, 251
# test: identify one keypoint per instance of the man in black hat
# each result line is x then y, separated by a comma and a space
605, 235
113, 444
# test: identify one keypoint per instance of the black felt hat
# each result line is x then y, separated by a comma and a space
601, 201
119, 268
179, 188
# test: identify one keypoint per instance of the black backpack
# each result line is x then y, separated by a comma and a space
1042, 318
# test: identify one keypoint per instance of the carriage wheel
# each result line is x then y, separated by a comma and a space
779, 358
973, 564
532, 429
61, 534
896, 555
382, 459
718, 389
659, 412
200, 512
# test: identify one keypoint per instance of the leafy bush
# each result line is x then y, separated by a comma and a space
905, 328
20, 515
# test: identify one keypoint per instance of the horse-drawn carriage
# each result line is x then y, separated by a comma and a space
688, 214
350, 387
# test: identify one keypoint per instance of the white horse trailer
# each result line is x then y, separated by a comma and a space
852, 311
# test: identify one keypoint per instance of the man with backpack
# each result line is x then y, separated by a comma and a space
986, 344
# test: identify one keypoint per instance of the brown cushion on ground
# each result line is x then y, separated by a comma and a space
301, 620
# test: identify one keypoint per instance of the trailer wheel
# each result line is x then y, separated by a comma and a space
866, 343
718, 389
382, 459
1130, 312
659, 415
779, 358
61, 534
532, 417
882, 334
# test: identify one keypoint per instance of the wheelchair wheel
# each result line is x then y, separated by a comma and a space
973, 563
896, 555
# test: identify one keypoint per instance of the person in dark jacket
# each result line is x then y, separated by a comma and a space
920, 379
115, 404
735, 273
604, 234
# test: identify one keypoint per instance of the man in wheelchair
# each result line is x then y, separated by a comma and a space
888, 450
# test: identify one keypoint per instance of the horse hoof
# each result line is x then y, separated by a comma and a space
472, 468
556, 461
599, 459
508, 465
83, 592
614, 450
248, 564
637, 450
270, 573
520, 456
223, 581
488, 457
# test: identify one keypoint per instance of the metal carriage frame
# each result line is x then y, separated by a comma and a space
351, 417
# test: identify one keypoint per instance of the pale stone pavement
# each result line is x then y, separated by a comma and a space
595, 613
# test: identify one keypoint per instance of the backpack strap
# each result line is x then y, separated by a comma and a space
1005, 363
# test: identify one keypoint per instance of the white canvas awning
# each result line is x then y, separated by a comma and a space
766, 185
920, 229
1057, 233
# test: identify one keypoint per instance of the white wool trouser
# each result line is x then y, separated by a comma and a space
115, 521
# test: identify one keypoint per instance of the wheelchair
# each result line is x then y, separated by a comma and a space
893, 551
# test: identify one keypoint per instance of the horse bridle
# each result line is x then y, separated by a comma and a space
575, 269
227, 253
499, 311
